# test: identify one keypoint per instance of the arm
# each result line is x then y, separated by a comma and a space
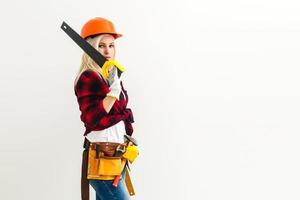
108, 103
91, 94
115, 89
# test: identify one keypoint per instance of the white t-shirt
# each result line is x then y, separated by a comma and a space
114, 133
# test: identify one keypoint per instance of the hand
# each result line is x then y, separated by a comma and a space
112, 71
114, 83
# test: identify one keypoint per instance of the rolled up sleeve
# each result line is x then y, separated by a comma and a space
90, 90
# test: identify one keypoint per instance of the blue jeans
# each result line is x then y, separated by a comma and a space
106, 191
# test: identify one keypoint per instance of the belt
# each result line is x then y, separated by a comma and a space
85, 189
107, 148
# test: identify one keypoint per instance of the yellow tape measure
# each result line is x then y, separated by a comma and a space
131, 153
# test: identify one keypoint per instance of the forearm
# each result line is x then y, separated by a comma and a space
108, 103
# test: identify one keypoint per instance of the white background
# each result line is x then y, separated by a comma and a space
214, 87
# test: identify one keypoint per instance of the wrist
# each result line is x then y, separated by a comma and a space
114, 92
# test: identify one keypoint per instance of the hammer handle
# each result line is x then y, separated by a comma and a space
116, 180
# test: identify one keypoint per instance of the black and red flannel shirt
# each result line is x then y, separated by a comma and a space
90, 91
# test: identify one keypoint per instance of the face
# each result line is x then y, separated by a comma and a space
107, 47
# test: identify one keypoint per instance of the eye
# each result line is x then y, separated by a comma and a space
101, 46
112, 45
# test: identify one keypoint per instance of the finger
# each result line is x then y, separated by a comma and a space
112, 72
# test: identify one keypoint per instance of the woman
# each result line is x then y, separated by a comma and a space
102, 101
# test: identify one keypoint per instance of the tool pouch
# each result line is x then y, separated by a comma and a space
110, 166
98, 163
102, 165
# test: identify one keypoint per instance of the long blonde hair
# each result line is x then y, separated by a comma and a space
86, 62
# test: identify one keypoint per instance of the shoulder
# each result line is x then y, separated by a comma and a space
89, 80
87, 76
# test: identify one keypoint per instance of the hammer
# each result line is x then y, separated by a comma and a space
131, 139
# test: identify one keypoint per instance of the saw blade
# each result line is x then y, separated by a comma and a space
85, 46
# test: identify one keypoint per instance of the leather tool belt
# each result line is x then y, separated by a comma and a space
100, 162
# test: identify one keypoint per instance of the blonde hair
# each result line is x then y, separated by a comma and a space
86, 62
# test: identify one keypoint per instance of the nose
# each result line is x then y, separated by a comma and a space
106, 50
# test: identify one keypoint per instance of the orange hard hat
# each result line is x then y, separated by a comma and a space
98, 26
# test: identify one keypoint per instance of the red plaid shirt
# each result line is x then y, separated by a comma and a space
90, 91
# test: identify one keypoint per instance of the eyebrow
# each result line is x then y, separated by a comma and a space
105, 43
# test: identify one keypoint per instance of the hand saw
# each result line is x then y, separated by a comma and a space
91, 51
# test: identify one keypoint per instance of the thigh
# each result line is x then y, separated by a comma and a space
106, 191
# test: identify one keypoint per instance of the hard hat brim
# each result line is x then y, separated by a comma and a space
115, 35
